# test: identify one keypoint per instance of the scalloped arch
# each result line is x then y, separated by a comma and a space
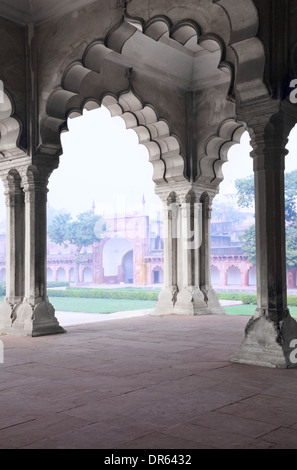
238, 53
216, 150
10, 128
152, 132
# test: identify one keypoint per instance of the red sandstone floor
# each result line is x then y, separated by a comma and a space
143, 383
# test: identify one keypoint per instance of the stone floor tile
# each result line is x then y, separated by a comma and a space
159, 440
217, 439
40, 428
150, 382
233, 424
282, 438
266, 413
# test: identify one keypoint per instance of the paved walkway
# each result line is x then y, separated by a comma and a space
77, 318
144, 382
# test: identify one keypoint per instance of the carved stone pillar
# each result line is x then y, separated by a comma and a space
196, 295
190, 299
167, 297
35, 315
269, 333
14, 198
187, 288
209, 292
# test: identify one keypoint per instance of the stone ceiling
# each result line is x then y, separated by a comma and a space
37, 11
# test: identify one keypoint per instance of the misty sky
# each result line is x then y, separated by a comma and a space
116, 172
103, 162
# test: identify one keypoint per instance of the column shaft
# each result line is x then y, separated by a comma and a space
209, 292
195, 296
15, 247
167, 297
35, 244
269, 334
270, 241
14, 198
35, 316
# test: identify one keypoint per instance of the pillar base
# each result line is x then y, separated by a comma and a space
188, 301
166, 301
7, 315
27, 320
267, 343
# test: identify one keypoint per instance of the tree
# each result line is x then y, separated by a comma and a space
246, 194
249, 244
245, 191
291, 196
82, 232
291, 245
226, 211
245, 188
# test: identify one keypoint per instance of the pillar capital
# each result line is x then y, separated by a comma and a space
12, 190
186, 192
269, 136
35, 178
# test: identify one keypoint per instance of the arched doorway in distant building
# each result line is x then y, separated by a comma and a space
157, 275
233, 276
252, 279
127, 266
71, 275
61, 275
49, 275
87, 275
215, 275
117, 261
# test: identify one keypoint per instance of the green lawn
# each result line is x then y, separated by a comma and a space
250, 309
68, 304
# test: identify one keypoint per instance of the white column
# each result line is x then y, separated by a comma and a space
210, 295
187, 288
14, 198
190, 299
35, 316
167, 297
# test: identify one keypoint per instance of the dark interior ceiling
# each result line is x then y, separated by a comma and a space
37, 11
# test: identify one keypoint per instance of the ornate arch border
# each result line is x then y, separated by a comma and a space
241, 55
10, 127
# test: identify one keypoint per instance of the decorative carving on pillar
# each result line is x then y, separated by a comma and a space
187, 288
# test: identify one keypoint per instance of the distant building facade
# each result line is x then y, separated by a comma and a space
131, 252
229, 266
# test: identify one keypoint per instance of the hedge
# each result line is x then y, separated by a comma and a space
143, 294
251, 298
248, 299
89, 293
51, 284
